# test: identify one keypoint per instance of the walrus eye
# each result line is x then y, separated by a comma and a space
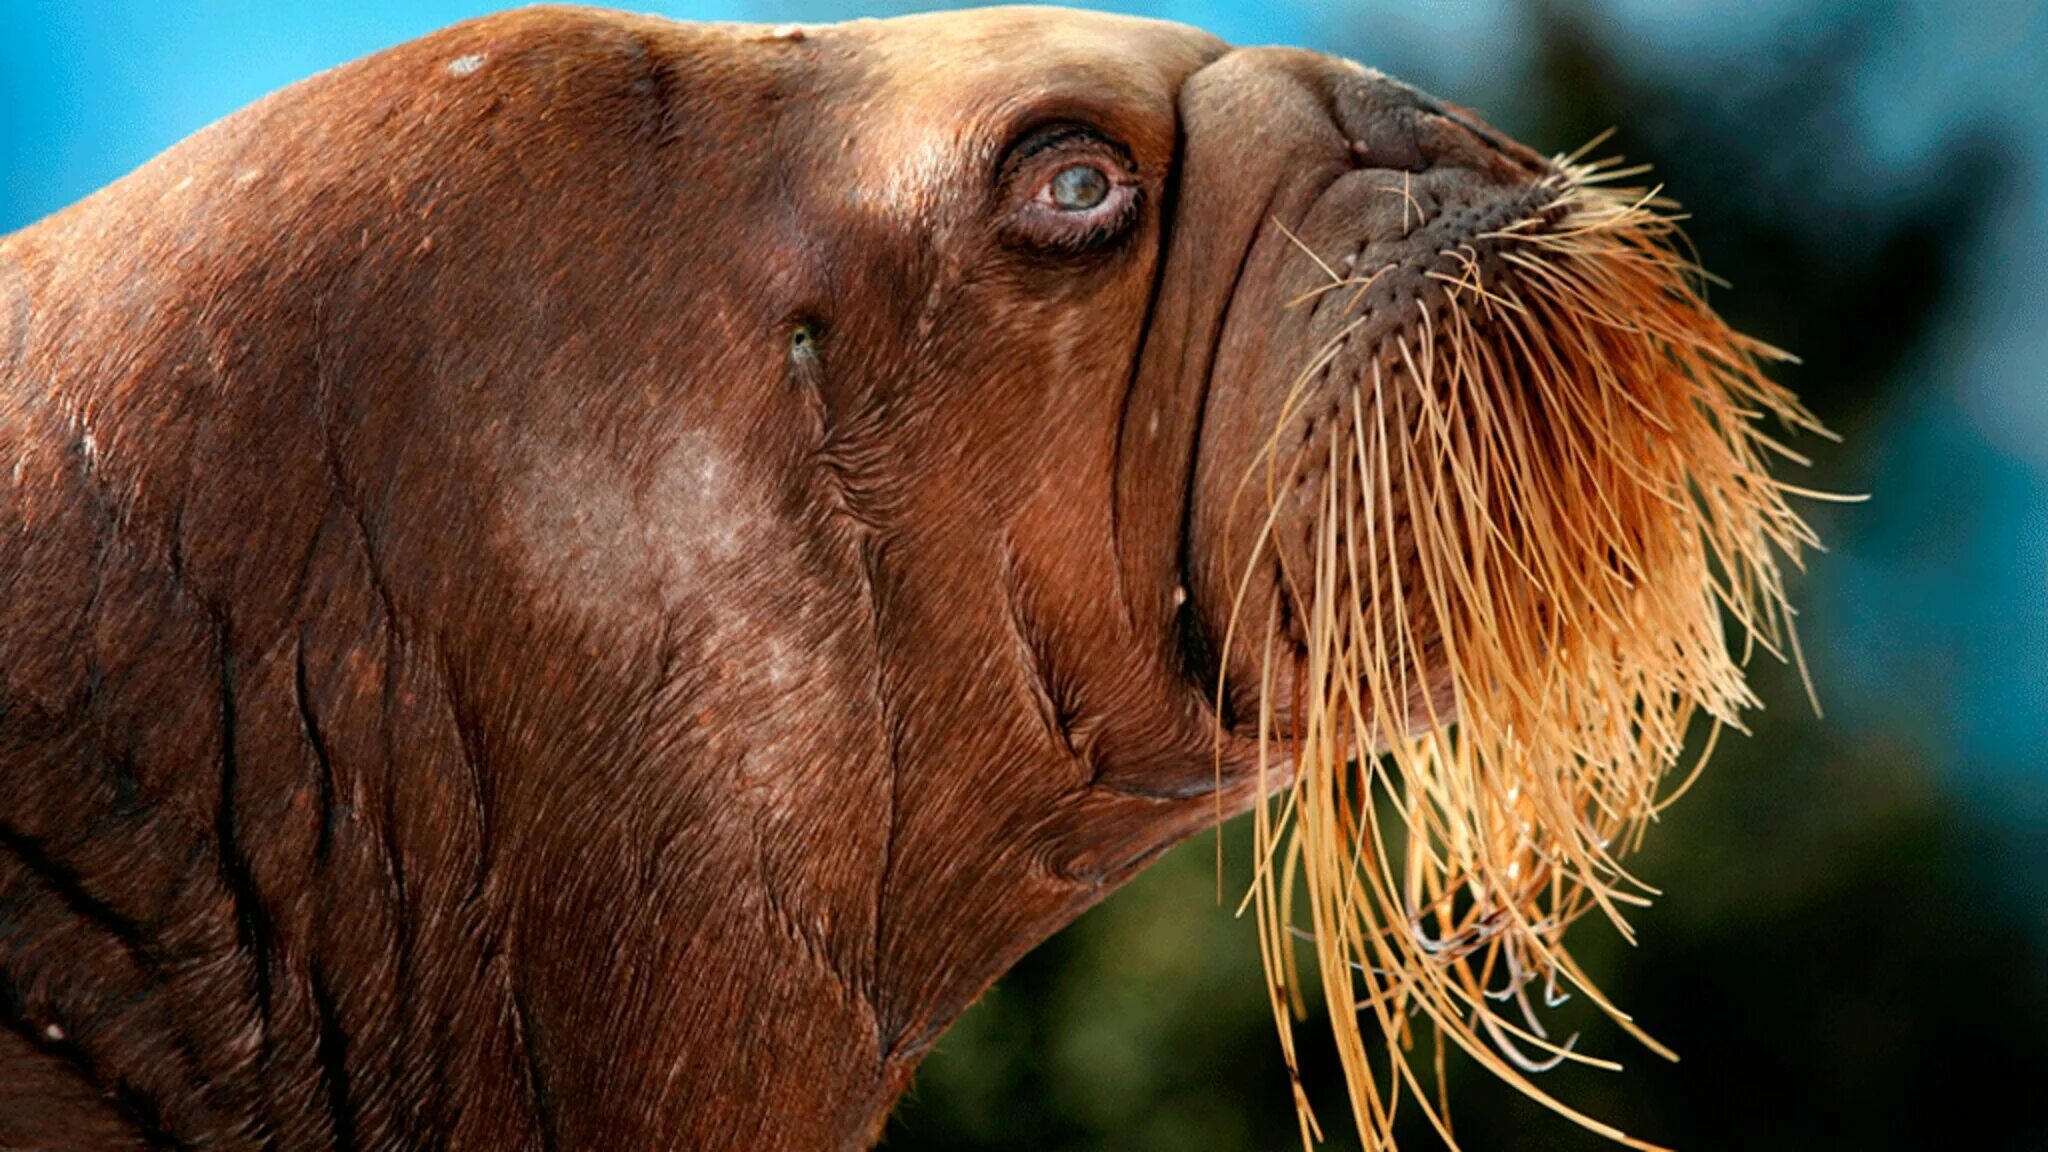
1079, 188
1070, 189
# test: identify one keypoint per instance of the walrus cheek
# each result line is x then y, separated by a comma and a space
682, 597
616, 543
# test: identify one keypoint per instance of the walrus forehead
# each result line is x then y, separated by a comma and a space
984, 40
1007, 37
940, 93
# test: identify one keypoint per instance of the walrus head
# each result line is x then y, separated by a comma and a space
587, 581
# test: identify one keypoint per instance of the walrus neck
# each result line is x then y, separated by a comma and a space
301, 899
225, 925
290, 869
251, 936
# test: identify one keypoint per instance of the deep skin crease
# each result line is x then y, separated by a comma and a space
575, 584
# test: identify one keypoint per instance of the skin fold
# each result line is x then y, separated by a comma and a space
590, 582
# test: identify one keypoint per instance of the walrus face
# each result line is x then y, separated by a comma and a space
1471, 474
1428, 454
668, 556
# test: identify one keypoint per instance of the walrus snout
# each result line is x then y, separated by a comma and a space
1399, 205
1478, 474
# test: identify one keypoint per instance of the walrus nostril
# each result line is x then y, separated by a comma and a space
1396, 127
1381, 116
1390, 143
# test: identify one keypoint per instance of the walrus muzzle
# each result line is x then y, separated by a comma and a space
1483, 475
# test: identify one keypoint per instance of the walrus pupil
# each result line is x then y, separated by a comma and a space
1079, 188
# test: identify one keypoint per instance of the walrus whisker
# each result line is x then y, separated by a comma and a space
1513, 600
1361, 284
1335, 276
1506, 1046
1576, 155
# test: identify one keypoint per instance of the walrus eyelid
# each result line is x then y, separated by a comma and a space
1044, 137
1040, 155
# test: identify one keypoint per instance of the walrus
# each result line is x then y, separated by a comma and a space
589, 582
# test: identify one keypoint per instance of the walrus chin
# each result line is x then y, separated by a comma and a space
1507, 504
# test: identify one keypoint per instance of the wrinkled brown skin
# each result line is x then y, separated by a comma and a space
476, 677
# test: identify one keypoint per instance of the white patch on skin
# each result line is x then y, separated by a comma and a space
1073, 338
248, 177
88, 444
693, 536
466, 65
608, 550
901, 183
53, 1032
777, 668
